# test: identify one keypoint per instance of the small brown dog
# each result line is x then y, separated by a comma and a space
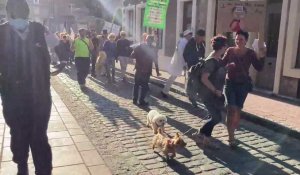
167, 145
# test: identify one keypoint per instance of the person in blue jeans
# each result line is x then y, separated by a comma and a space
110, 48
144, 54
210, 90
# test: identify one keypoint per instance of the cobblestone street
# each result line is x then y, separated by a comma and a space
118, 130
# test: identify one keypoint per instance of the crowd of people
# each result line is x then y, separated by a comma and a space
220, 80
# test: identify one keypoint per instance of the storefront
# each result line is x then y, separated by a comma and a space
281, 28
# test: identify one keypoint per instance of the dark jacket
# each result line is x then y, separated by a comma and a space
144, 55
110, 48
123, 47
193, 52
63, 51
24, 71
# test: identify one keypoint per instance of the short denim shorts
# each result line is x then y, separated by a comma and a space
235, 93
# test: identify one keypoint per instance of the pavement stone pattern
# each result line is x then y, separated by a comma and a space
73, 153
117, 129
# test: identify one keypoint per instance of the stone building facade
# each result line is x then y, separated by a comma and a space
281, 74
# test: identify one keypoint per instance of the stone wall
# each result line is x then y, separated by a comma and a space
289, 87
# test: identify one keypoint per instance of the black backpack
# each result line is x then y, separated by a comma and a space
195, 71
194, 78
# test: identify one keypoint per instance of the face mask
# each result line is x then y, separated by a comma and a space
19, 24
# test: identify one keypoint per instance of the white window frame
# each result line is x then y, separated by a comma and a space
292, 41
126, 21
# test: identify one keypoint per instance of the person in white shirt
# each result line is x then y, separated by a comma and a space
177, 63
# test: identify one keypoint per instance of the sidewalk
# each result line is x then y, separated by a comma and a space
73, 153
269, 112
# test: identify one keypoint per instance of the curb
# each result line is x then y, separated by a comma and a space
246, 116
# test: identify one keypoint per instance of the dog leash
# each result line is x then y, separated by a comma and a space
184, 134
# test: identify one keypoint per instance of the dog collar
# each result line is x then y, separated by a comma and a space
170, 142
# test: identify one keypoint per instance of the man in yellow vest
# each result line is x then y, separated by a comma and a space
82, 46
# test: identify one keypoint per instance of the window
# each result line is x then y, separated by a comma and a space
143, 29
298, 54
273, 34
187, 15
130, 22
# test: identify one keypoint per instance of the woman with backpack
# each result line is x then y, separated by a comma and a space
210, 89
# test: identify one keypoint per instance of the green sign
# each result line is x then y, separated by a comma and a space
156, 13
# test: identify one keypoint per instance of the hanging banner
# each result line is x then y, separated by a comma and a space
236, 15
156, 13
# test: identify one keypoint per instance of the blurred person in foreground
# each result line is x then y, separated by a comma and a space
25, 88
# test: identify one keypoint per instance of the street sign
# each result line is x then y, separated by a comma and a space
156, 13
111, 28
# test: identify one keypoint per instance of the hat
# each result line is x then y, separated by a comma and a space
187, 32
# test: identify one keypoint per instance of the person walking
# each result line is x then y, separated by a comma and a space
211, 84
144, 55
25, 88
95, 52
52, 41
177, 63
238, 83
124, 50
193, 52
82, 46
63, 51
110, 48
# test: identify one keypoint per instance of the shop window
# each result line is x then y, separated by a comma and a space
156, 32
143, 29
130, 22
187, 15
273, 34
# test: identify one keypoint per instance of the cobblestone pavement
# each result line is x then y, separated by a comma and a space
118, 130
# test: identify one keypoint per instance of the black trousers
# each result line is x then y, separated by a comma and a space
83, 68
94, 59
141, 80
214, 106
28, 130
